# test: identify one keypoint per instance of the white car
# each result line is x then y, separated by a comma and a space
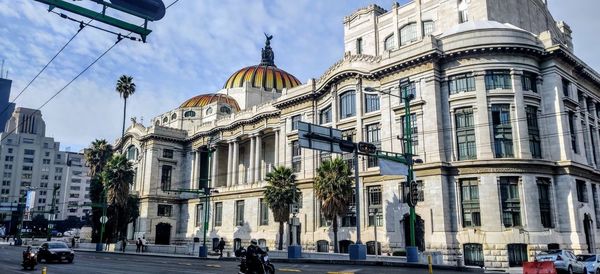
592, 263
564, 261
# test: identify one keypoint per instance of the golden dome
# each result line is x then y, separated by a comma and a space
206, 99
262, 76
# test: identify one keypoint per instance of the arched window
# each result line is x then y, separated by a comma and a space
389, 42
428, 27
209, 111
157, 122
165, 120
225, 109
174, 116
408, 34
347, 104
132, 153
189, 113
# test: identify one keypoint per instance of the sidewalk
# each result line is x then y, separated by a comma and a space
302, 260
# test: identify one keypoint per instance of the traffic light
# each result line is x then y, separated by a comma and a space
367, 148
413, 194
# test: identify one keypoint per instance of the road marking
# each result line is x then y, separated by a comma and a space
341, 272
289, 270
184, 264
213, 265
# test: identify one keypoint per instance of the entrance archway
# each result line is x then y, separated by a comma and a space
588, 229
163, 234
419, 231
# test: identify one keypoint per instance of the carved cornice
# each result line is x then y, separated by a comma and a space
365, 10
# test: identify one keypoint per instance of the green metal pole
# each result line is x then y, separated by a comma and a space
207, 196
408, 151
51, 216
103, 214
21, 207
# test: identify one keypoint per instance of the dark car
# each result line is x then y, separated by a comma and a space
55, 251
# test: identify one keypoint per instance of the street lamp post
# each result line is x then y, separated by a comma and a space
406, 96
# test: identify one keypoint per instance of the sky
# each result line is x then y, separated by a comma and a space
191, 51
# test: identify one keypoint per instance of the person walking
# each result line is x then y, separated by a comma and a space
123, 245
73, 242
143, 243
220, 247
138, 245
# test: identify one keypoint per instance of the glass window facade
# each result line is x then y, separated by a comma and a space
498, 79
511, 202
465, 134
347, 104
502, 128
471, 213
461, 83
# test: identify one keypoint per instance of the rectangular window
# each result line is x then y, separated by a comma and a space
428, 27
264, 212
239, 213
375, 204
529, 81
359, 46
218, 214
349, 220
535, 144
296, 156
471, 213
373, 137
5, 183
573, 133
586, 142
165, 179
164, 210
9, 158
463, 16
7, 175
465, 134
414, 132
29, 152
46, 161
408, 34
27, 141
497, 79
594, 144
7, 166
474, 255
545, 202
168, 153
347, 104
596, 205
421, 191
200, 215
295, 120
511, 203
581, 191
325, 115
461, 83
565, 87
371, 102
323, 222
27, 168
10, 150
517, 254
27, 160
58, 170
502, 128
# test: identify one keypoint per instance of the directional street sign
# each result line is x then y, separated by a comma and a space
317, 137
103, 219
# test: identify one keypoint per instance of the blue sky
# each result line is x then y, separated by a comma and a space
192, 51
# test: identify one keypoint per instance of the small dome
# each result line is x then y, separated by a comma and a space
262, 76
206, 99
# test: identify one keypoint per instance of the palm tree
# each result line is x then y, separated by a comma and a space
333, 187
279, 194
125, 88
96, 157
118, 177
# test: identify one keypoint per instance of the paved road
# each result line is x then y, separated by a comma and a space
92, 263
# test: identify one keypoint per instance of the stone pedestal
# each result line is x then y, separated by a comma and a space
357, 252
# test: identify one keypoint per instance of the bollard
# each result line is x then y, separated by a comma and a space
44, 270
429, 262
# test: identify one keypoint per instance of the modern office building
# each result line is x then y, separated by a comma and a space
6, 107
32, 161
505, 118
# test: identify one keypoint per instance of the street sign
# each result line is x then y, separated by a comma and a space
103, 219
319, 138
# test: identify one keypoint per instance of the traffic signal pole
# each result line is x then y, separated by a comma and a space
52, 212
412, 253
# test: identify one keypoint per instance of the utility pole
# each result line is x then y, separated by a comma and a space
52, 212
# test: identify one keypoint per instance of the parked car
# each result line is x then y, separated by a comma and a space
592, 263
55, 251
564, 261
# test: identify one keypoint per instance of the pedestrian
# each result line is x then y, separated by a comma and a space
73, 242
123, 244
220, 247
107, 244
143, 244
138, 245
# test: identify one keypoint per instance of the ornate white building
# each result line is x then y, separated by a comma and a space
506, 119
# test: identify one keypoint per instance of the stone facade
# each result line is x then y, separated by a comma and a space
507, 126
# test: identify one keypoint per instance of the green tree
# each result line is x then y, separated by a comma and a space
279, 194
96, 157
333, 187
118, 177
125, 88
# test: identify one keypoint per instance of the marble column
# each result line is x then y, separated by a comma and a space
236, 163
276, 150
483, 134
196, 182
214, 168
229, 164
193, 163
521, 139
251, 164
258, 158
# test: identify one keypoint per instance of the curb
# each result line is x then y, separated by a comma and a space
303, 261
